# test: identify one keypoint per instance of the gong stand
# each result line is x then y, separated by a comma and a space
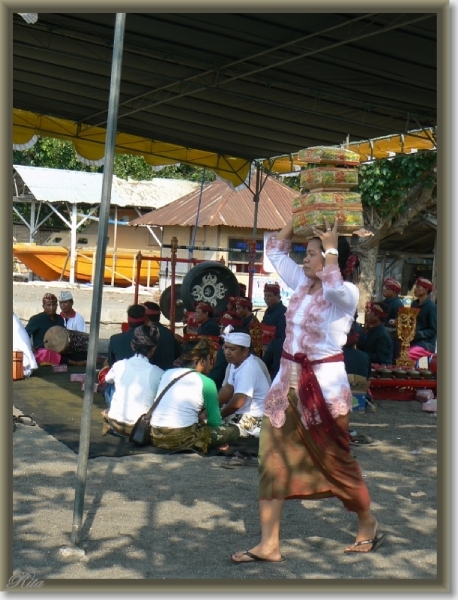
406, 325
173, 260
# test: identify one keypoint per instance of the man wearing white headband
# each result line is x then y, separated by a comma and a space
242, 397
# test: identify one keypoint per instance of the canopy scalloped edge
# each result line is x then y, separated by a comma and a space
383, 147
89, 143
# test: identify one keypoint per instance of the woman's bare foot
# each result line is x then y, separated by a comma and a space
256, 554
104, 413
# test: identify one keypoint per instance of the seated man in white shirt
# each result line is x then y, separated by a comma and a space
73, 320
242, 397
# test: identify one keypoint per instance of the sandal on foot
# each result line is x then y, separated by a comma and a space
240, 460
363, 440
376, 542
254, 558
20, 419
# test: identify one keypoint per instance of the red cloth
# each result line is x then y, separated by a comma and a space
272, 287
138, 321
204, 307
377, 310
392, 284
312, 400
425, 283
245, 302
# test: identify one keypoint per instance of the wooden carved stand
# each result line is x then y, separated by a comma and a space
406, 324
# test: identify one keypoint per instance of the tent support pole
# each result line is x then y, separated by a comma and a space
113, 106
73, 243
32, 229
255, 227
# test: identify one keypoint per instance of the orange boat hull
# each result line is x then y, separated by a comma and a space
52, 263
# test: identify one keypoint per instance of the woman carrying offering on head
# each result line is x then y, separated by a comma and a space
304, 450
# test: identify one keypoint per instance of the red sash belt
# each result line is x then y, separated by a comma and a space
312, 400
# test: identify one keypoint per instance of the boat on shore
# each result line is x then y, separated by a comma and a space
52, 263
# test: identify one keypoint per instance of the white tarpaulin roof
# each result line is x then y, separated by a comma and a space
76, 187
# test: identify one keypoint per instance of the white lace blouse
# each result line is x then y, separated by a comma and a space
316, 325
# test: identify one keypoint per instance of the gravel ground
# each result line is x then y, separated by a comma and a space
179, 517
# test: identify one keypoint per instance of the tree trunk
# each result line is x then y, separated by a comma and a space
367, 280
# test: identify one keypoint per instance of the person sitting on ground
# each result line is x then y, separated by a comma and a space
424, 341
244, 310
188, 414
231, 305
356, 361
219, 368
204, 317
391, 302
21, 343
377, 343
37, 327
119, 345
242, 398
135, 382
73, 320
168, 347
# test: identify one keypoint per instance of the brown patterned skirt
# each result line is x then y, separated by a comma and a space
292, 466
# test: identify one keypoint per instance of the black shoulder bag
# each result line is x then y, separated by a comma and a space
140, 434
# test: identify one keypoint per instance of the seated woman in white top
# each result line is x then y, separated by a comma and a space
135, 381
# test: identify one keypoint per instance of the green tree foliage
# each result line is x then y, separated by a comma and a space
385, 184
51, 153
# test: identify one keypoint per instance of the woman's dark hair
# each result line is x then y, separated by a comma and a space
193, 351
145, 337
348, 261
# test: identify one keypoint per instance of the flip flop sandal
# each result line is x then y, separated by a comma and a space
240, 460
363, 440
254, 558
20, 419
376, 543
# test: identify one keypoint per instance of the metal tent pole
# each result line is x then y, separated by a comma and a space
113, 105
255, 225
74, 222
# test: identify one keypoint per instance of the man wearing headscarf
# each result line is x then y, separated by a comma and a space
391, 302
205, 320
135, 382
377, 343
168, 347
244, 310
73, 320
274, 316
275, 311
424, 342
242, 398
39, 324
119, 346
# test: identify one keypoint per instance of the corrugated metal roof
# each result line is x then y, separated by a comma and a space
61, 185
221, 205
